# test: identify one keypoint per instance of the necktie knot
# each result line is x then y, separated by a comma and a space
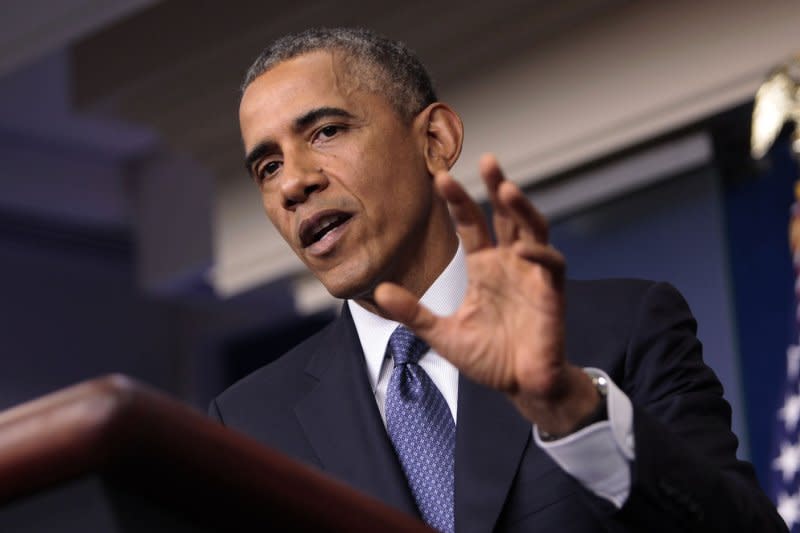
406, 347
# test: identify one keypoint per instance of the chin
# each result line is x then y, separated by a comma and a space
348, 286
348, 292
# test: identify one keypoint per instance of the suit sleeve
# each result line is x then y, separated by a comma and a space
685, 475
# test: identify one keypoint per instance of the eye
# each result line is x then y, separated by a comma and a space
326, 132
267, 170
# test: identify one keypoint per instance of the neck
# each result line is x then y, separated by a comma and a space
422, 274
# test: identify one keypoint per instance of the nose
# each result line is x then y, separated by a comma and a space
299, 179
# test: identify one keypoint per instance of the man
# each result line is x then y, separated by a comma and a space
495, 421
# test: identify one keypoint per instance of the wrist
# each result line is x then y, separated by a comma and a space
583, 405
600, 413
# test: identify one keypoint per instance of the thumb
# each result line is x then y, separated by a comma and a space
397, 303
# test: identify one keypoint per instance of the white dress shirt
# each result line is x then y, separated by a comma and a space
598, 456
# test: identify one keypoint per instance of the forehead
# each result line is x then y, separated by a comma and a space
290, 88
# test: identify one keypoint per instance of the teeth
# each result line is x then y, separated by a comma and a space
311, 234
325, 224
323, 227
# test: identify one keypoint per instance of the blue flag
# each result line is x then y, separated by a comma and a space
786, 464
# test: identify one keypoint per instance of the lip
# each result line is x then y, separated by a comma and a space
311, 224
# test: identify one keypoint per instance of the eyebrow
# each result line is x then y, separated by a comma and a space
305, 120
259, 151
299, 124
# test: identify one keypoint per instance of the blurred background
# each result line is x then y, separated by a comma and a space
132, 240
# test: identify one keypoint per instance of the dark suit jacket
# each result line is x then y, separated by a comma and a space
315, 404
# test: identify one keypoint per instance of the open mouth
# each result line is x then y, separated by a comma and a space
315, 228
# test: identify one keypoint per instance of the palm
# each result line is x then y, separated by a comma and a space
508, 332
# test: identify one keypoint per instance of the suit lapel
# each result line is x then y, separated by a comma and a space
490, 440
341, 420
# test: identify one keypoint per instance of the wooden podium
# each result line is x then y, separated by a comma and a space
111, 455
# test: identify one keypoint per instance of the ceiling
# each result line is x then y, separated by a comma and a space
177, 66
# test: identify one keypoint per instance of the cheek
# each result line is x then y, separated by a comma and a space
277, 216
269, 209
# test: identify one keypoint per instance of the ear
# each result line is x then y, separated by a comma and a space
443, 135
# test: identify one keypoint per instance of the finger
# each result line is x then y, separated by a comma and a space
397, 303
528, 220
546, 256
469, 219
504, 227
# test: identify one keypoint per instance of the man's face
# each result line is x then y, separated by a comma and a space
342, 177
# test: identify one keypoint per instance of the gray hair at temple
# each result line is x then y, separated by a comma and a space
376, 63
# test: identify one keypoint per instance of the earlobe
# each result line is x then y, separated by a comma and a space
444, 135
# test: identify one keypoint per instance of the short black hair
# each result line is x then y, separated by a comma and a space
382, 65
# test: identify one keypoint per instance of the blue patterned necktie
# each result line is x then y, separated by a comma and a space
422, 429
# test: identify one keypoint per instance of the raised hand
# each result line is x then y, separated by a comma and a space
508, 333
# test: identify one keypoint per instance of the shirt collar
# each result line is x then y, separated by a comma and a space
443, 297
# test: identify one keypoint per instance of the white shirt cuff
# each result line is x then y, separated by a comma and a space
599, 455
